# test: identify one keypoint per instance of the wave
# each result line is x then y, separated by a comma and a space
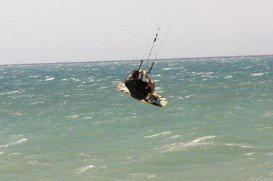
174, 137
240, 145
35, 103
49, 78
147, 175
181, 146
189, 96
158, 134
33, 76
17, 114
14, 154
74, 79
268, 114
165, 68
249, 154
204, 74
202, 139
12, 92
88, 117
3, 146
228, 77
257, 74
158, 75
104, 87
19, 142
84, 169
247, 67
73, 116
22, 140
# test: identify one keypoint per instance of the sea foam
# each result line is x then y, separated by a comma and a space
180, 146
49, 78
84, 169
19, 141
239, 145
158, 134
257, 74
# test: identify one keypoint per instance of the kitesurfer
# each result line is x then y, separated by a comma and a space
138, 88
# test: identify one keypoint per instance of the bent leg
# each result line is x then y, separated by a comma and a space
152, 89
152, 85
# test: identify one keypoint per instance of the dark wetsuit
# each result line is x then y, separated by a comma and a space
138, 88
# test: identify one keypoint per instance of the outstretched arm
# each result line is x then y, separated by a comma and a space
147, 77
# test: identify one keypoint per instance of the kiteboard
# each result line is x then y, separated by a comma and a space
157, 100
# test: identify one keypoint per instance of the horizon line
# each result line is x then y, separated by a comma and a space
130, 60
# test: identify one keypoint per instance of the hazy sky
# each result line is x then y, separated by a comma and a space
34, 31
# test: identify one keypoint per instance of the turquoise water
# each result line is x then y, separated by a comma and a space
69, 122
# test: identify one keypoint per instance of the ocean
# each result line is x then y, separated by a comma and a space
69, 121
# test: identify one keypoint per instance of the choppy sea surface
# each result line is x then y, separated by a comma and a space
69, 122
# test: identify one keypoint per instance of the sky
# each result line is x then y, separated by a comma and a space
47, 31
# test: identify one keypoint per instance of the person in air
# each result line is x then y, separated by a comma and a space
138, 88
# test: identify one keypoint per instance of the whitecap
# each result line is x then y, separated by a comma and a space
159, 134
257, 74
157, 75
138, 174
74, 116
91, 79
103, 88
181, 146
85, 155
204, 74
35, 103
165, 68
228, 77
268, 114
34, 162
75, 80
12, 92
49, 78
88, 117
189, 96
173, 137
239, 145
23, 140
249, 154
129, 158
17, 114
14, 154
33, 76
3, 146
202, 139
247, 67
19, 142
84, 169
